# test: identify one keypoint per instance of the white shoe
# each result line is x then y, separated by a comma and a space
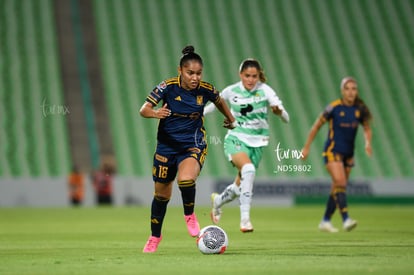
215, 213
326, 226
349, 224
246, 226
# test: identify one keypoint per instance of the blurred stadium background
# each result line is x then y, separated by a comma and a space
74, 74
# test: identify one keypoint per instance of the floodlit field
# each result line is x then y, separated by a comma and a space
285, 241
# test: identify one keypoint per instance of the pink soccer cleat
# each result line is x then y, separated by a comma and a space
152, 244
192, 225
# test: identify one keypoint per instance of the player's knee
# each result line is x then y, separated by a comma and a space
161, 198
339, 183
186, 183
339, 189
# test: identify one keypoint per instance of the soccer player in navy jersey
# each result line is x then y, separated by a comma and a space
344, 116
181, 139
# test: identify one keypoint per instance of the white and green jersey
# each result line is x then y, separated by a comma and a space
250, 110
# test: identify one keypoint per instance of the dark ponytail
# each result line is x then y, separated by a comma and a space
189, 54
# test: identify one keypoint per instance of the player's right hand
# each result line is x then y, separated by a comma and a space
229, 125
163, 112
305, 153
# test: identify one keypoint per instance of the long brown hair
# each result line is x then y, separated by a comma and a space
358, 101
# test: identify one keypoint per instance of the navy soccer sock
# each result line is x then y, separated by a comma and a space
158, 210
188, 191
340, 199
330, 208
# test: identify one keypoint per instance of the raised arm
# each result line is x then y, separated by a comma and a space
230, 122
368, 137
312, 133
280, 111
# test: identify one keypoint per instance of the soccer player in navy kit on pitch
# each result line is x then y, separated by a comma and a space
181, 145
344, 116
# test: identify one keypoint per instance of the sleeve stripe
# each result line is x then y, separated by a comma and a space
206, 85
152, 100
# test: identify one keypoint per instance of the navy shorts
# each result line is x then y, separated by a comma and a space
165, 165
347, 160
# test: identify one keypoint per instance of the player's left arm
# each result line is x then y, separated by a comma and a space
220, 103
368, 137
229, 122
276, 104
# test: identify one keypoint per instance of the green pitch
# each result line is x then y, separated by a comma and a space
285, 241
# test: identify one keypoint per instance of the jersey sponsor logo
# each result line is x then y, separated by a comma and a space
194, 116
178, 98
161, 158
199, 100
246, 109
357, 113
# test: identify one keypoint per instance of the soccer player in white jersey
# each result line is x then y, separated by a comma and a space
248, 100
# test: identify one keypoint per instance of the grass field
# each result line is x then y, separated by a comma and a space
285, 241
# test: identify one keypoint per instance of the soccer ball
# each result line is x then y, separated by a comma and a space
212, 240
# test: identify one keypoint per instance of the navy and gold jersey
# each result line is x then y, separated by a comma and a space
343, 125
184, 127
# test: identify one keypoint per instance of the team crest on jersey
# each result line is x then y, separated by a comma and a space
162, 85
199, 100
342, 113
357, 113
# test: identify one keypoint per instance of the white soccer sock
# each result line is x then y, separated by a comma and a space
248, 173
230, 193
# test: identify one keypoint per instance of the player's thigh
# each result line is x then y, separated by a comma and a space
188, 169
347, 172
164, 168
237, 152
240, 159
337, 171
